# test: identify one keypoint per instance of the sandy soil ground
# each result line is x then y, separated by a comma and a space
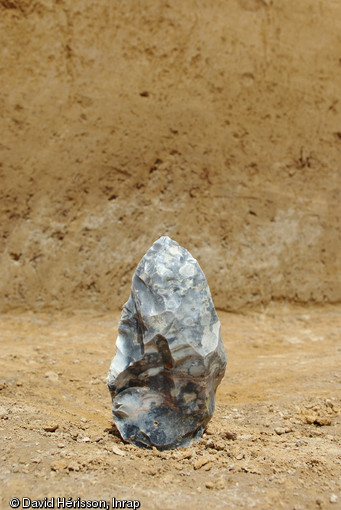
274, 440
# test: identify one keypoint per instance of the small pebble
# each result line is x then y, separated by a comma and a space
333, 498
3, 413
52, 376
219, 445
96, 439
201, 462
117, 451
282, 430
209, 485
323, 422
230, 435
51, 428
220, 484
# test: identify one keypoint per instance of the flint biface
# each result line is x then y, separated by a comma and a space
170, 356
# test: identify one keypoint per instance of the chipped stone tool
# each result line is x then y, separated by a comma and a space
170, 356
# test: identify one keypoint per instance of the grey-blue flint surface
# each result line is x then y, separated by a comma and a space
170, 356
